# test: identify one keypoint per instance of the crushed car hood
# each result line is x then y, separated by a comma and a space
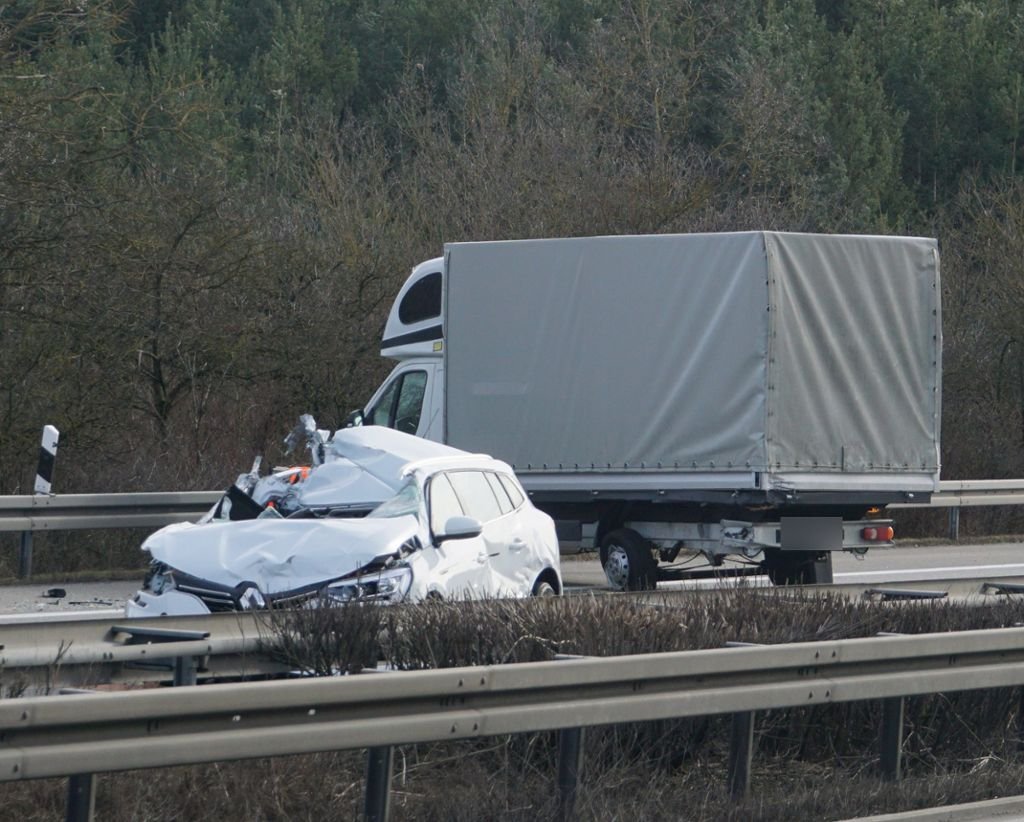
279, 555
361, 466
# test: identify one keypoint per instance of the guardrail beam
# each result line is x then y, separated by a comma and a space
51, 736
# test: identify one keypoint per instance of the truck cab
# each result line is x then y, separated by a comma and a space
411, 399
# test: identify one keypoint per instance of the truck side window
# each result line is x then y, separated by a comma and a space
410, 401
401, 403
380, 414
422, 301
475, 494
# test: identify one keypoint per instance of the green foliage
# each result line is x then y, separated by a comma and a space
207, 205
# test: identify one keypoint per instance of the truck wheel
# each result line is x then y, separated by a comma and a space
797, 567
628, 562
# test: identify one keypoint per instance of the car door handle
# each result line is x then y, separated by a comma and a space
517, 545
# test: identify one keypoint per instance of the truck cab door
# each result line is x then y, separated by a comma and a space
404, 401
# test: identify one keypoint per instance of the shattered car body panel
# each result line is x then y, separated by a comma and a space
380, 516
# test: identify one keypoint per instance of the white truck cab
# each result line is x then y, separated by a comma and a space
411, 399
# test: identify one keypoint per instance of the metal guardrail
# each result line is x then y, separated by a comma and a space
61, 512
66, 512
92, 651
53, 736
956, 494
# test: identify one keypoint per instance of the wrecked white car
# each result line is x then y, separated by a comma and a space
380, 516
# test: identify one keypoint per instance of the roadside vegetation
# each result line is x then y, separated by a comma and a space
206, 206
817, 763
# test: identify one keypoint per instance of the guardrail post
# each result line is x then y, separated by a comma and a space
892, 738
25, 556
954, 524
1020, 720
570, 765
81, 797
741, 751
379, 765
185, 670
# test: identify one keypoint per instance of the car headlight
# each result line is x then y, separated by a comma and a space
386, 586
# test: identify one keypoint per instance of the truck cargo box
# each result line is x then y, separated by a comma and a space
760, 360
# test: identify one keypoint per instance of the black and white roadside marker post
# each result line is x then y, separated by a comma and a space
47, 457
43, 484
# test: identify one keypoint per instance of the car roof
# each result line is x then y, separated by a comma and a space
389, 455
479, 462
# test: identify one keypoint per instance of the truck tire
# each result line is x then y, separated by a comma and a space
798, 567
628, 562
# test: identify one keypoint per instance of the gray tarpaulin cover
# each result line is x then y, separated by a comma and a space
756, 351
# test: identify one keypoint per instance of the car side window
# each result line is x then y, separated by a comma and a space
512, 487
475, 494
443, 503
504, 503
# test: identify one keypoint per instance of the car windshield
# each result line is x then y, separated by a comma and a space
404, 503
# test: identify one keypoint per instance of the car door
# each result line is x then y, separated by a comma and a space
477, 490
455, 568
516, 564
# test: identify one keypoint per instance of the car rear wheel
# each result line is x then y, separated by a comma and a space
543, 588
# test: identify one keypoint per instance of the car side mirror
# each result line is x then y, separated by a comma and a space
459, 528
354, 419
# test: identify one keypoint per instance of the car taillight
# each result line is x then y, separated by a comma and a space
879, 533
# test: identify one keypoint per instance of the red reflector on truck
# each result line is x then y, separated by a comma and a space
882, 533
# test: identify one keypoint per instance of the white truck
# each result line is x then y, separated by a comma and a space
669, 399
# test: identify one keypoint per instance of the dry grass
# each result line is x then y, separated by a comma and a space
813, 763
